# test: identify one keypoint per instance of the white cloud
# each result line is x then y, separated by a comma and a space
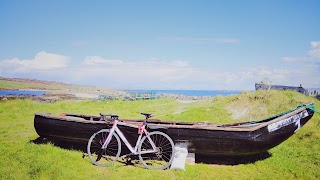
41, 61
154, 73
315, 44
97, 60
147, 73
295, 59
314, 53
312, 56
180, 63
305, 74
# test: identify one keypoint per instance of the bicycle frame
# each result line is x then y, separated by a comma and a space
133, 150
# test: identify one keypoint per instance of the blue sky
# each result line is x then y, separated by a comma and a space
177, 44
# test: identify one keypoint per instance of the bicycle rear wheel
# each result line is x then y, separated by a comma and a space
161, 159
107, 156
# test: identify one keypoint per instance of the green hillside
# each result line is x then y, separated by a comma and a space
296, 158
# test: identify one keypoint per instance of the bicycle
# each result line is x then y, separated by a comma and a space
155, 149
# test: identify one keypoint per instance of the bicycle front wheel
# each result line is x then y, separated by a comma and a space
162, 158
107, 156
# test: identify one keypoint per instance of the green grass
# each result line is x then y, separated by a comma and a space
296, 158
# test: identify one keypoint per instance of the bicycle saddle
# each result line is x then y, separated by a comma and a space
147, 115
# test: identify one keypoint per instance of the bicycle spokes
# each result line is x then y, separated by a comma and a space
162, 157
100, 156
155, 149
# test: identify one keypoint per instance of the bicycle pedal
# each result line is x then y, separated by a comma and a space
129, 162
124, 157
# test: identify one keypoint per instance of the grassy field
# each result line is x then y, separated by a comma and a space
20, 158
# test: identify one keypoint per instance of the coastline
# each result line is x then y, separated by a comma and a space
55, 91
82, 94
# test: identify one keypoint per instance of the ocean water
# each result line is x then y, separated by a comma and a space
187, 92
17, 92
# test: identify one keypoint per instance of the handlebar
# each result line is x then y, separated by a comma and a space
104, 116
115, 117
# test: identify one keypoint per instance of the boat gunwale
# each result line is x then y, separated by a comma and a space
155, 123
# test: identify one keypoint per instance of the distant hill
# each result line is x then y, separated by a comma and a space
26, 83
53, 87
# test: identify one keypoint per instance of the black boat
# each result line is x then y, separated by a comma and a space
238, 139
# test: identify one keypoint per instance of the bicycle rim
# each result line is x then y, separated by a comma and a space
107, 156
163, 157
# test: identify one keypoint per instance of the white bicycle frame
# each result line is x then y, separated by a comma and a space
133, 150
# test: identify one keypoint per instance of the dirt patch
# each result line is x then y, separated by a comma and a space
246, 112
239, 113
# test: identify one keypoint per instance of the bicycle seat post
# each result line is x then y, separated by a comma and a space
147, 115
102, 117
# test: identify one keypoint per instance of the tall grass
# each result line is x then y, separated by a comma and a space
20, 158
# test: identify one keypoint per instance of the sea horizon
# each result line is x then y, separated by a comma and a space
211, 93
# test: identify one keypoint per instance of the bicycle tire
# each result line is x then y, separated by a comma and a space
103, 157
161, 159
